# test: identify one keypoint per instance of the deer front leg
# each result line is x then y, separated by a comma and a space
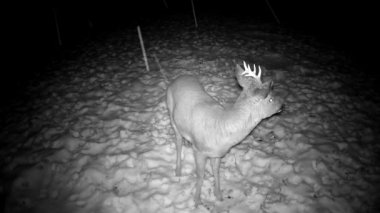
200, 161
215, 164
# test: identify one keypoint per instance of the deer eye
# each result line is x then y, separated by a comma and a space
270, 100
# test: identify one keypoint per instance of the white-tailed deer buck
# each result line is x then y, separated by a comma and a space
211, 128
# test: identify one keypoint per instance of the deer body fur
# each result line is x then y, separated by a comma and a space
211, 128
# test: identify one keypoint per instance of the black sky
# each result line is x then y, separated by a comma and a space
31, 34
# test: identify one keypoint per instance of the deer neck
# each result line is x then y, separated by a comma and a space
239, 120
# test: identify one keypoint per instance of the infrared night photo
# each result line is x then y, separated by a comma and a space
190, 106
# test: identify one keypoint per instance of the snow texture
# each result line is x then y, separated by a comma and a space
95, 135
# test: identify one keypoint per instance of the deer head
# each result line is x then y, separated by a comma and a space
255, 94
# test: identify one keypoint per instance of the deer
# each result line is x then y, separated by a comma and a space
211, 128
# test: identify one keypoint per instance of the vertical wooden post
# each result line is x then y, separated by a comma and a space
273, 13
166, 5
57, 28
143, 48
195, 17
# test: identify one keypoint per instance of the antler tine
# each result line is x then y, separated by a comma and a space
259, 74
246, 69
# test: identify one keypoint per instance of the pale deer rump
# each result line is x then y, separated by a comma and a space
211, 128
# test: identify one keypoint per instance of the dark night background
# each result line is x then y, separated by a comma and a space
31, 39
31, 50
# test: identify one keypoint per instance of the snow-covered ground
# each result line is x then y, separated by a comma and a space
95, 136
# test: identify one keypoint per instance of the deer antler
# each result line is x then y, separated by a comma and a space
248, 72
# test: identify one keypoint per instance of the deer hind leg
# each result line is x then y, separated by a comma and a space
215, 164
178, 145
200, 162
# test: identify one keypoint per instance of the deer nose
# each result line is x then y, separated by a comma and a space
281, 108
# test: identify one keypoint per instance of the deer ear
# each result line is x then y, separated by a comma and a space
265, 89
269, 88
242, 80
268, 85
261, 92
